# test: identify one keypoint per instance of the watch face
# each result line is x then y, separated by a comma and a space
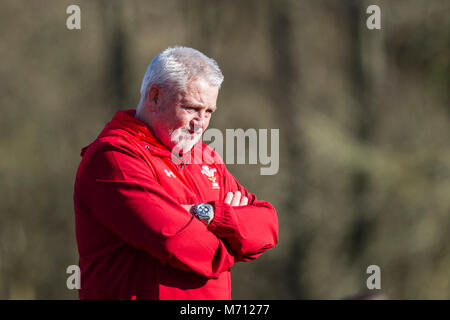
203, 211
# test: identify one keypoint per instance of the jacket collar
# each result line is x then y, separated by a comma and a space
125, 120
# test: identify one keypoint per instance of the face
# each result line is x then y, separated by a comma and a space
179, 121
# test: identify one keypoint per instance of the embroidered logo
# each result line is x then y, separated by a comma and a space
210, 173
169, 173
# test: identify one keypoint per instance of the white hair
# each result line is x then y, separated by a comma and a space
174, 67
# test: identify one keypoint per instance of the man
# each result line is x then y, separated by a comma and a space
150, 222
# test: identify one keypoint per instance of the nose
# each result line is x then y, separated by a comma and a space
200, 114
198, 119
195, 125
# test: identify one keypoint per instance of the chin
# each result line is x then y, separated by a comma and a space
189, 144
183, 141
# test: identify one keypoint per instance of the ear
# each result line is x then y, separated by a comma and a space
154, 96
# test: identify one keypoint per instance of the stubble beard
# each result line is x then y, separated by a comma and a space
184, 140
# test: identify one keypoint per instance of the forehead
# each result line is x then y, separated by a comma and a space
199, 92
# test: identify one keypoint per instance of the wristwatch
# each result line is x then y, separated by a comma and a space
203, 211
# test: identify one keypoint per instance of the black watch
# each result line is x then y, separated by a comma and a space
203, 211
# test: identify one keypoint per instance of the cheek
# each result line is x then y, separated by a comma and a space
206, 123
180, 116
174, 120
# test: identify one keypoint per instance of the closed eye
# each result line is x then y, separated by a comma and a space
195, 108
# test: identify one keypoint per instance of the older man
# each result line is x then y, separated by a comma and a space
150, 222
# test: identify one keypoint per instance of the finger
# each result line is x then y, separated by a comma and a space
244, 201
236, 199
187, 207
229, 197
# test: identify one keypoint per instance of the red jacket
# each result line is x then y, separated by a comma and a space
134, 239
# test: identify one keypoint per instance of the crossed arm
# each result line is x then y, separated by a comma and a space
123, 196
248, 226
233, 199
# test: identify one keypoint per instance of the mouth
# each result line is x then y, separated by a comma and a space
185, 138
195, 131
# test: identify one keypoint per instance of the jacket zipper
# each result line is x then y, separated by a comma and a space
181, 167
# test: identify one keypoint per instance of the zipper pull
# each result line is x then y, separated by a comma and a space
178, 168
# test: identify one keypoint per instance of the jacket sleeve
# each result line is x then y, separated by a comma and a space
124, 196
249, 230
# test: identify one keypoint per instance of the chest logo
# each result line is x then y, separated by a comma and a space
210, 173
169, 173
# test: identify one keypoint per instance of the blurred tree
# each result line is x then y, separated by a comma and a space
116, 59
364, 120
283, 90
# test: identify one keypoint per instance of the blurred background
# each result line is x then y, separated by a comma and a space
364, 119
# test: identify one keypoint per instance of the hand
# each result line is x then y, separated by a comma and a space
235, 199
188, 207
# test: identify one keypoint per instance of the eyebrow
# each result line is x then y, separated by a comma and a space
199, 105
